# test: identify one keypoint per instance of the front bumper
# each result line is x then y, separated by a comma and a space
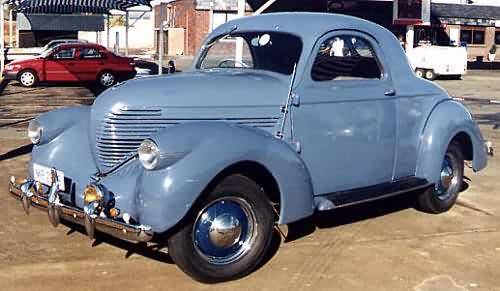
9, 75
25, 191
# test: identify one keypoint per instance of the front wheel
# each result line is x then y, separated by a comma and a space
420, 73
28, 78
430, 75
229, 235
443, 196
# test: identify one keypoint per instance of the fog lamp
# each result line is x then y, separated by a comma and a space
92, 193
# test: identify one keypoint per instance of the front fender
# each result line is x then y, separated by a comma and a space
448, 119
65, 146
206, 149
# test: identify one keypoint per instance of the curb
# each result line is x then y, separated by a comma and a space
487, 101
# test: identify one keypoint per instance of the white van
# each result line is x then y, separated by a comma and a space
430, 61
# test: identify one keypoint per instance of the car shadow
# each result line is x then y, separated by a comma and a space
23, 150
330, 219
93, 87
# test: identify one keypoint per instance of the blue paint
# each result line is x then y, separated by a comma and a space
351, 133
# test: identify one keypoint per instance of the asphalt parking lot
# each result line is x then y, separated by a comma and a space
386, 245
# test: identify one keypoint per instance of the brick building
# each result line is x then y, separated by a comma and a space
187, 22
457, 22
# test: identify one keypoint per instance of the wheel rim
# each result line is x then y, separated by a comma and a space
419, 74
27, 79
449, 178
107, 79
429, 75
225, 230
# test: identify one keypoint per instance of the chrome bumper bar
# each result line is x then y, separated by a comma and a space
489, 148
25, 191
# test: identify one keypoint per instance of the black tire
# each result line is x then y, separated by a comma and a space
420, 73
440, 199
430, 75
189, 255
23, 77
107, 79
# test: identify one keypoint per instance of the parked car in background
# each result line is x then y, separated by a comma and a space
14, 54
74, 62
430, 61
307, 118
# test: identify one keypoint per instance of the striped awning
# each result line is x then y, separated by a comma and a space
73, 6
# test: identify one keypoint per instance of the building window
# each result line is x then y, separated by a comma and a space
221, 17
472, 36
497, 37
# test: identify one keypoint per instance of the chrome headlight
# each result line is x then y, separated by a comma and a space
149, 154
35, 131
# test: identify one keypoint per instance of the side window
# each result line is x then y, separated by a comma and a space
65, 54
89, 53
345, 57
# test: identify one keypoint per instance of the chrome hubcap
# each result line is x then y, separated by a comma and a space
27, 78
448, 181
225, 230
107, 79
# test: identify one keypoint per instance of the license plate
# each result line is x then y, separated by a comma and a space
43, 175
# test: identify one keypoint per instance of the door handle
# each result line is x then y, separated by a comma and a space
390, 92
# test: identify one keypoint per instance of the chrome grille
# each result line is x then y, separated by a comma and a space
120, 133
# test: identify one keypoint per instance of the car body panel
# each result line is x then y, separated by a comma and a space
338, 135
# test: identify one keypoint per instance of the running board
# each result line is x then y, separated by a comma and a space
367, 194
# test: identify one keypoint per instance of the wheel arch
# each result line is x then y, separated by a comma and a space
256, 172
449, 121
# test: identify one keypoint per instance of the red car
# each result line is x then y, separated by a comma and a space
75, 62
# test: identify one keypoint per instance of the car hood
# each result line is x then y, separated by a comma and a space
199, 89
24, 61
126, 114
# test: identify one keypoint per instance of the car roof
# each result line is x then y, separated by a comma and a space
310, 26
80, 44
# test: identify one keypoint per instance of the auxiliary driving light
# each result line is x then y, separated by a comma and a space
92, 193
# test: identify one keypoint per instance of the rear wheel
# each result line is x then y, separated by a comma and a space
229, 235
107, 79
443, 196
430, 75
27, 78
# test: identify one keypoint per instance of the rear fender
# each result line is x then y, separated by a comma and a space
447, 120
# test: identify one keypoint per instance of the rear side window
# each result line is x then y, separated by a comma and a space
346, 57
89, 53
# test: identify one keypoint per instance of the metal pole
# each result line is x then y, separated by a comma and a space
117, 42
2, 37
126, 32
11, 26
107, 30
160, 45
17, 34
264, 7
239, 41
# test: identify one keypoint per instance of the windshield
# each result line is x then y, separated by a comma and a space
271, 51
47, 52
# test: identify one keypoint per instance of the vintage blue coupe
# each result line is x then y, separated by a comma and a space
275, 120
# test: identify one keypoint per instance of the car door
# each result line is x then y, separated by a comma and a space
90, 63
345, 122
60, 65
